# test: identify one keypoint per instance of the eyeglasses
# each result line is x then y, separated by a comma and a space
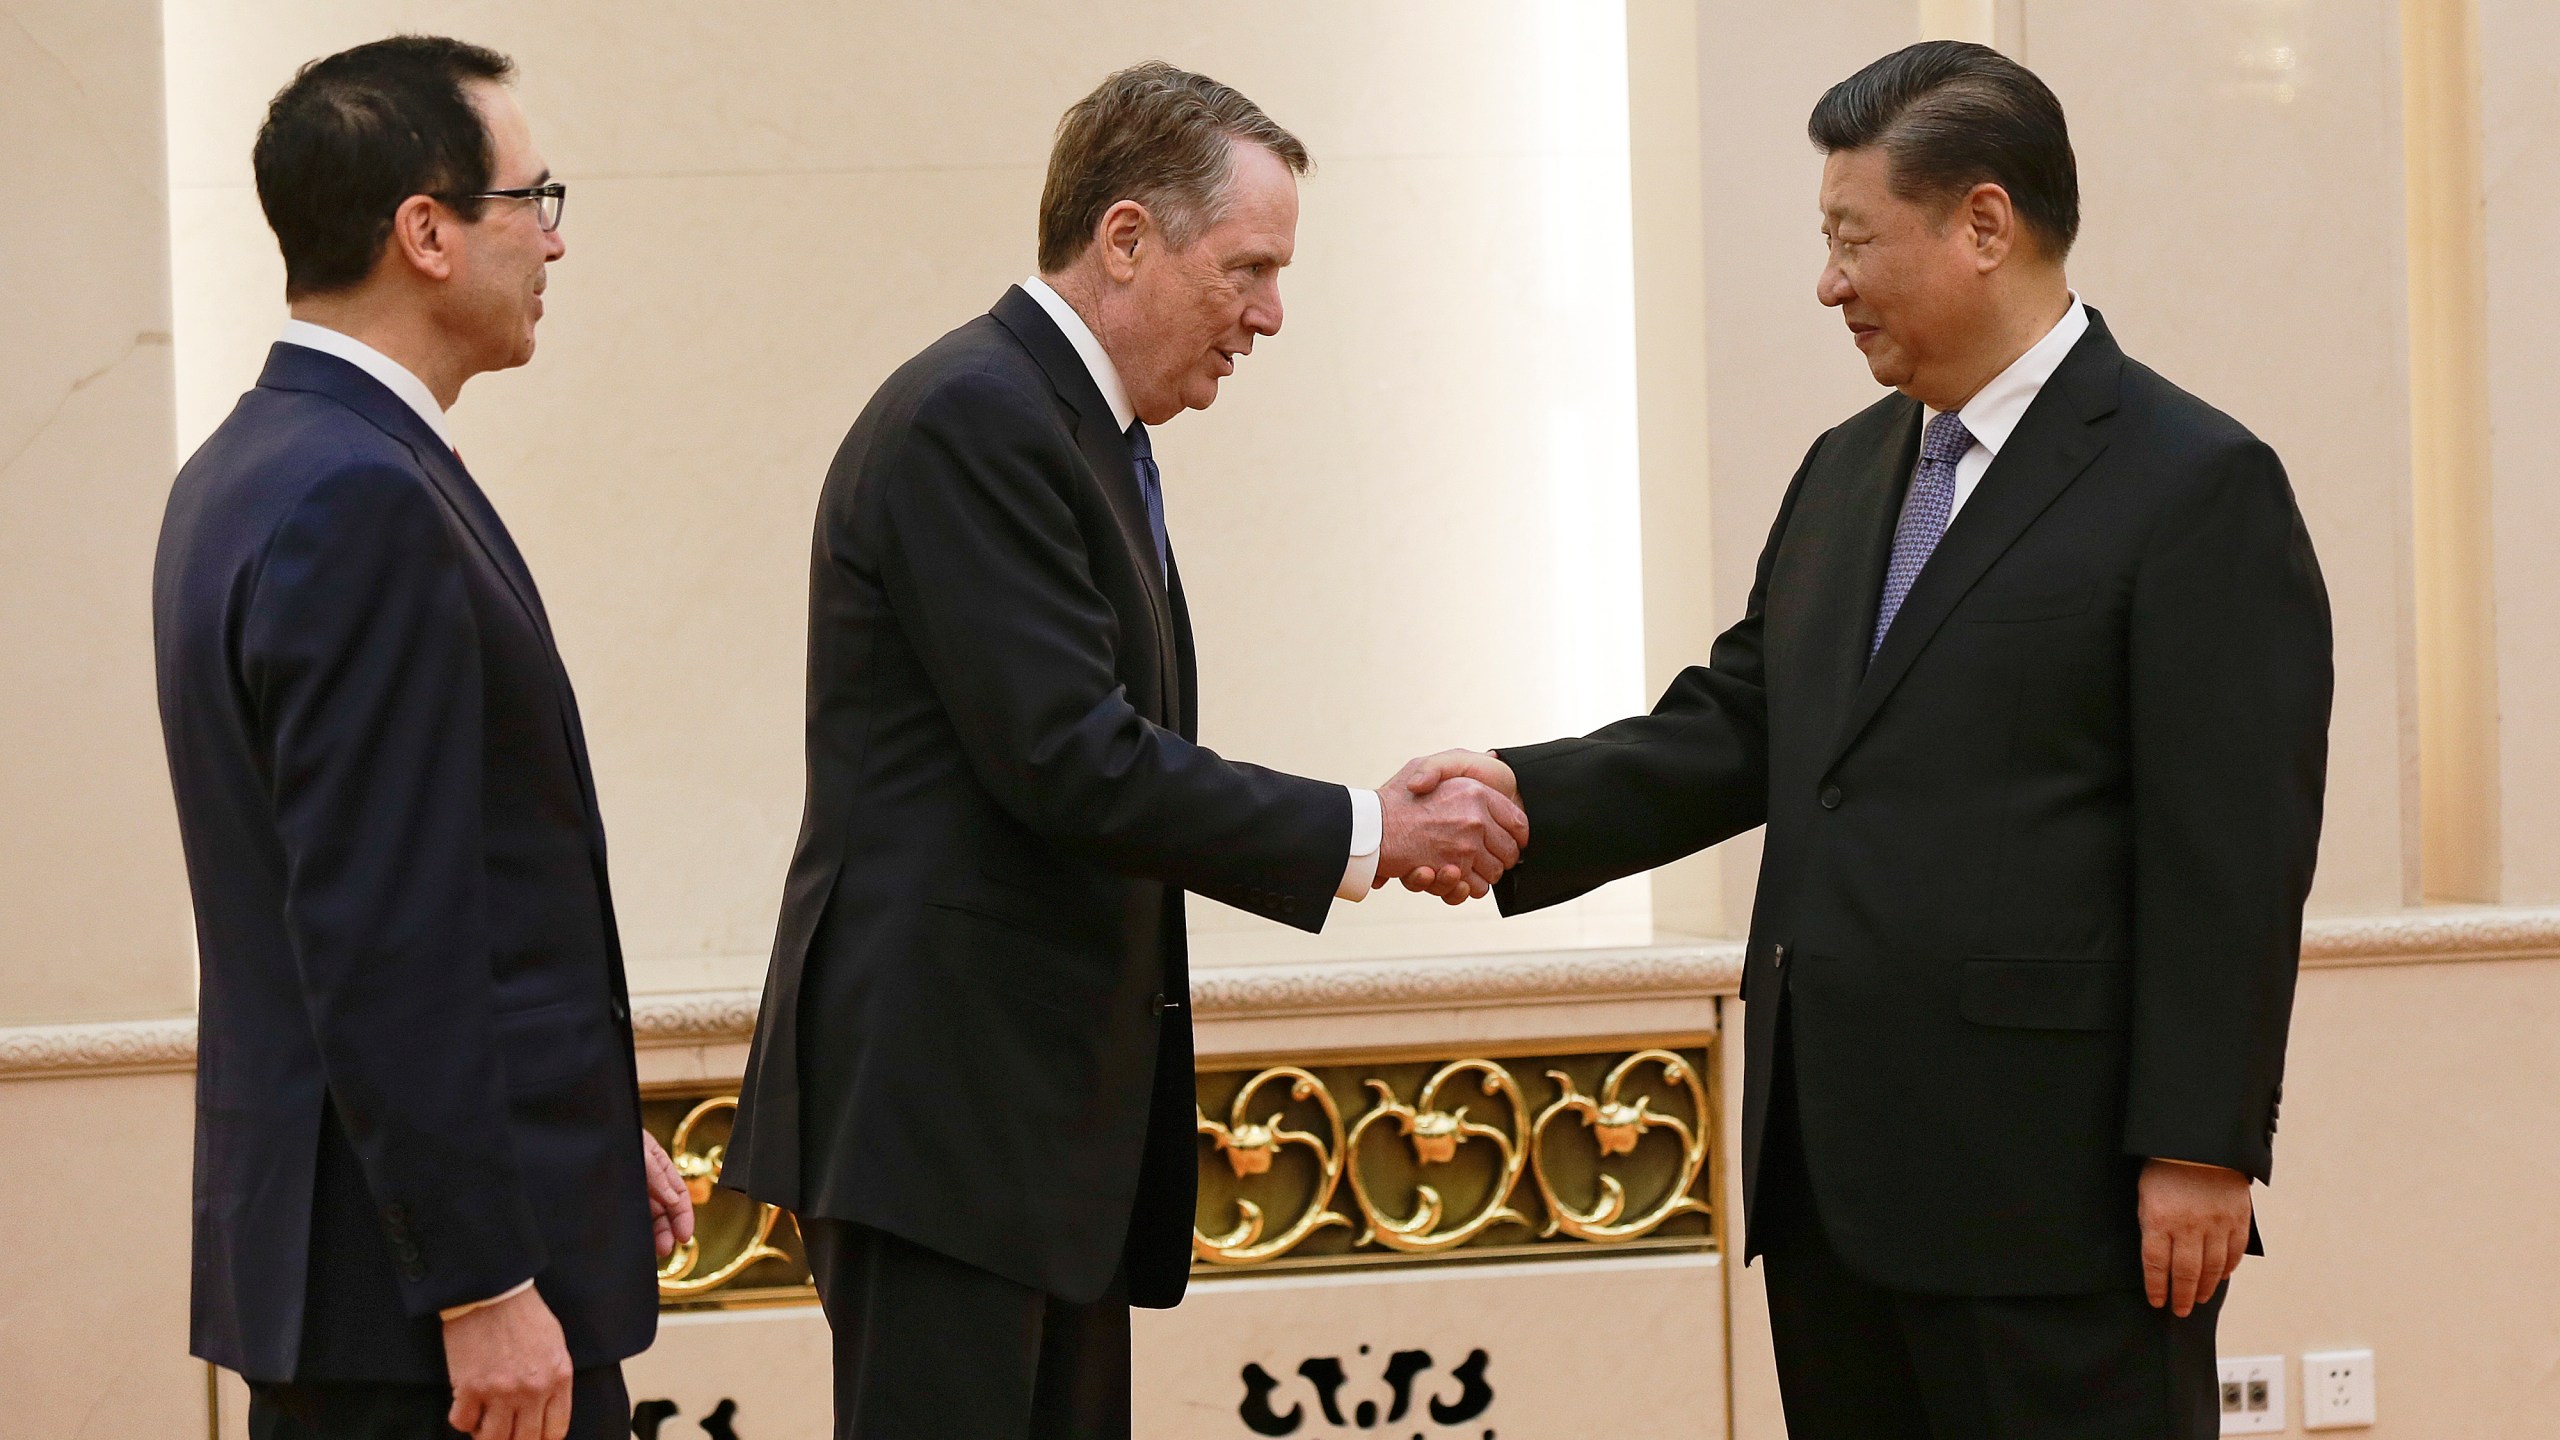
548, 201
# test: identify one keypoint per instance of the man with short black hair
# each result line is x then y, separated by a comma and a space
972, 1072
423, 1200
2032, 692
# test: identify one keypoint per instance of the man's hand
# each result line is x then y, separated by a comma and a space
1455, 836
1421, 777
2195, 1228
510, 1371
670, 1202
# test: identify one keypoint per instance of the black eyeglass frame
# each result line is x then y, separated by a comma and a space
550, 201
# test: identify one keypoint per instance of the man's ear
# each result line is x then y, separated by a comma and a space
1122, 232
1991, 220
422, 237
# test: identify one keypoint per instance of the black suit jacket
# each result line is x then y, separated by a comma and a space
414, 1077
974, 1032
2033, 883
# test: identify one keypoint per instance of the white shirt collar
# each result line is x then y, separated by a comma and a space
1995, 410
1106, 376
395, 377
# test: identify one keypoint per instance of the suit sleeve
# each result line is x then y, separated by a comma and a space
2229, 652
987, 571
1646, 791
361, 660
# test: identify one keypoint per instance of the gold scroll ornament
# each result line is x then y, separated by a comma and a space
700, 1172
1249, 1148
1618, 1127
1436, 1135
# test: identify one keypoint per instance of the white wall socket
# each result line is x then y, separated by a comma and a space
2337, 1389
2253, 1395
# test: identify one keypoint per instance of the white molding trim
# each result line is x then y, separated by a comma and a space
98, 1047
1686, 969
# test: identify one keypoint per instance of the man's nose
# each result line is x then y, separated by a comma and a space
1832, 287
555, 245
1262, 313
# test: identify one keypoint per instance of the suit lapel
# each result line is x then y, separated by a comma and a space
2062, 431
1851, 576
292, 367
1115, 469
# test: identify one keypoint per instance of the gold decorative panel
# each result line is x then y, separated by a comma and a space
1344, 1162
1360, 1161
742, 1252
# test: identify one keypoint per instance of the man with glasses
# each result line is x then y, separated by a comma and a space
423, 1200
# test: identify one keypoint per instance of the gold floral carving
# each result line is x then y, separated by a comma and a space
1436, 1135
1619, 1127
1444, 1170
1250, 1146
701, 1172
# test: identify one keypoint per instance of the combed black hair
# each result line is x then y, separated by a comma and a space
1952, 115
355, 134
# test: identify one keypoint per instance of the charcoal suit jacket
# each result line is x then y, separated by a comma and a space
414, 1076
975, 1033
2032, 891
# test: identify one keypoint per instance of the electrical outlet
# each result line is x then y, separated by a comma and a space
2253, 1395
2337, 1389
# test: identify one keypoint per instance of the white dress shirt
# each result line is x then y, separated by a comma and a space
395, 377
1993, 413
1368, 825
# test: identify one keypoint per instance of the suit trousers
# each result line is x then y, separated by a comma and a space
930, 1348
1857, 1361
599, 1409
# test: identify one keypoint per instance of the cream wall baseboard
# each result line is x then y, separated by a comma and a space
1233, 996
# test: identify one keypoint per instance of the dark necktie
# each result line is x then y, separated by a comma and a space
1151, 485
1932, 498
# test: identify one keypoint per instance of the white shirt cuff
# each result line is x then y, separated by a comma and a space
1368, 829
456, 1312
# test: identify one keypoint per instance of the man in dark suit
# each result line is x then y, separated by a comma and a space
2032, 693
971, 1078
420, 1204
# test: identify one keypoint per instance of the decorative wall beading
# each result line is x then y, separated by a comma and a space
107, 1047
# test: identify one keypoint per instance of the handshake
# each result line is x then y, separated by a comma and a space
1452, 824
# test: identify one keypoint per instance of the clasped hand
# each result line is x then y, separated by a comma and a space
1453, 824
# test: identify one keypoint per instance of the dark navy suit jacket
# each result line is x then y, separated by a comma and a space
414, 1082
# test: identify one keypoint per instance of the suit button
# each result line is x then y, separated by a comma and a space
621, 1008
1830, 797
1778, 955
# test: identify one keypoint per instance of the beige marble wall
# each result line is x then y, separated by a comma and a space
93, 1306
95, 906
2244, 233
774, 205
2519, 123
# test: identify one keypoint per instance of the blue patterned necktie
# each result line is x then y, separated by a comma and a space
1151, 485
1924, 516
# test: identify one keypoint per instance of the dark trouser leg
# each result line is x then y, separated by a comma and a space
926, 1345
1083, 1389
1844, 1371
600, 1409
2064, 1367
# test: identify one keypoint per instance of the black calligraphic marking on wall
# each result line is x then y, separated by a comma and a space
1401, 1368
648, 1415
716, 1424
1472, 1399
1326, 1375
1256, 1409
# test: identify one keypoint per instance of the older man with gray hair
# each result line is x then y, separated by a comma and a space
972, 1076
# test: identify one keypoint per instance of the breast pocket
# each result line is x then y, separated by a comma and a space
2018, 605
